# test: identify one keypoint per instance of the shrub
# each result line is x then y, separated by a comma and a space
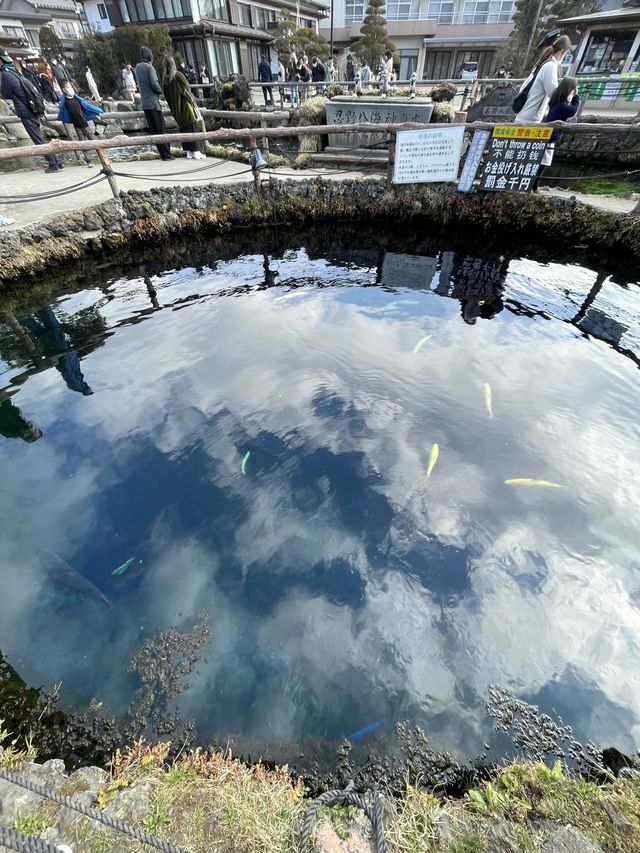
443, 112
443, 92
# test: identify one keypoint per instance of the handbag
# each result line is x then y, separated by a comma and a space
521, 98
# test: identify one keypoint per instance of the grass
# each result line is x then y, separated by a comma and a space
607, 186
207, 801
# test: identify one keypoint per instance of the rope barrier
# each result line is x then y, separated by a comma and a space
96, 179
93, 814
24, 843
178, 174
348, 795
36, 196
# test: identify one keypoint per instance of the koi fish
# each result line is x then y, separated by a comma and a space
525, 481
123, 568
245, 459
487, 398
421, 343
435, 452
367, 730
61, 572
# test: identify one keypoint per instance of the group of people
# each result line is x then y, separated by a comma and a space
297, 70
130, 83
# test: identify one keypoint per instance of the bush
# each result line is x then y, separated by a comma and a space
443, 92
443, 112
50, 44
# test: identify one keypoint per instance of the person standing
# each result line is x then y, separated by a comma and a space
318, 74
77, 112
350, 71
365, 73
265, 76
12, 89
150, 92
544, 81
46, 84
93, 88
178, 95
128, 81
292, 77
304, 76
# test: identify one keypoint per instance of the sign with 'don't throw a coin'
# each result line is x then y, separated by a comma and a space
514, 157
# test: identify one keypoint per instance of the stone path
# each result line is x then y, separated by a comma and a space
179, 172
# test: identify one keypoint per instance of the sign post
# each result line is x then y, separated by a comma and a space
514, 157
474, 158
429, 155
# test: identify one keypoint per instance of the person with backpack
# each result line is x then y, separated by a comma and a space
530, 104
28, 104
77, 112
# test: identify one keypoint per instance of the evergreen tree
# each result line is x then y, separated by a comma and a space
374, 39
516, 54
289, 38
50, 44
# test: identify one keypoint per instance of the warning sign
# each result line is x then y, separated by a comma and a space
513, 158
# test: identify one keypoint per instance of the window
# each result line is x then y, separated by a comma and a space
244, 14
225, 57
442, 12
102, 11
475, 12
500, 11
607, 51
307, 23
191, 52
400, 10
408, 63
136, 10
255, 53
264, 17
69, 29
436, 65
354, 11
34, 40
13, 31
484, 58
216, 9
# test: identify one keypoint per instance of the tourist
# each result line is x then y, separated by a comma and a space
501, 73
204, 78
282, 76
318, 74
304, 76
178, 94
386, 64
77, 112
544, 81
331, 70
292, 77
150, 91
93, 88
46, 84
563, 105
60, 72
265, 76
128, 81
365, 73
12, 89
350, 71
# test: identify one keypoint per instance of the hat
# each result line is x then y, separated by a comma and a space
4, 56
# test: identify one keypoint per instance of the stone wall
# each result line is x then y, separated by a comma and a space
158, 216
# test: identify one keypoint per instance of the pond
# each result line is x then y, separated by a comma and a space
284, 489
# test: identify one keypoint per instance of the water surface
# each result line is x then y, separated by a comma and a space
249, 436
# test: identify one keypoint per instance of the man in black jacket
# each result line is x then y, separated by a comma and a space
12, 90
265, 76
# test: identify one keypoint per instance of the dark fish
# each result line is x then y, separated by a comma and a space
62, 573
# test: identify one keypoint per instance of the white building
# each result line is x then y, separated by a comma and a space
433, 37
97, 16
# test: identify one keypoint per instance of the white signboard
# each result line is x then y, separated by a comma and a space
423, 156
400, 270
474, 158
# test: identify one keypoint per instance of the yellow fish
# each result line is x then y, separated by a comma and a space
435, 451
525, 481
487, 398
421, 343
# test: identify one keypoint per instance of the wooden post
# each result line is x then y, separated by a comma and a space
108, 171
265, 139
391, 161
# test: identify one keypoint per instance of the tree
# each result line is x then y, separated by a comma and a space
374, 40
50, 44
516, 54
289, 38
128, 40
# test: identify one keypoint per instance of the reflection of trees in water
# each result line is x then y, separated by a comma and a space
163, 663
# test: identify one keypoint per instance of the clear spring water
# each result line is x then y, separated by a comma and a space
250, 437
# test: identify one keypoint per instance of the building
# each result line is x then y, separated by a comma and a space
609, 42
226, 36
98, 20
22, 20
434, 38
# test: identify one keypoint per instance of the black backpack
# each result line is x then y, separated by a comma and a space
521, 98
35, 101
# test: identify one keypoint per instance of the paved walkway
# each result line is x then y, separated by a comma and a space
180, 172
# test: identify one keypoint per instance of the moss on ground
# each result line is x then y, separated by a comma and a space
607, 186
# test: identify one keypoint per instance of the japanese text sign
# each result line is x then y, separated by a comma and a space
513, 161
424, 156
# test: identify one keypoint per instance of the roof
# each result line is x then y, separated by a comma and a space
613, 16
65, 5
